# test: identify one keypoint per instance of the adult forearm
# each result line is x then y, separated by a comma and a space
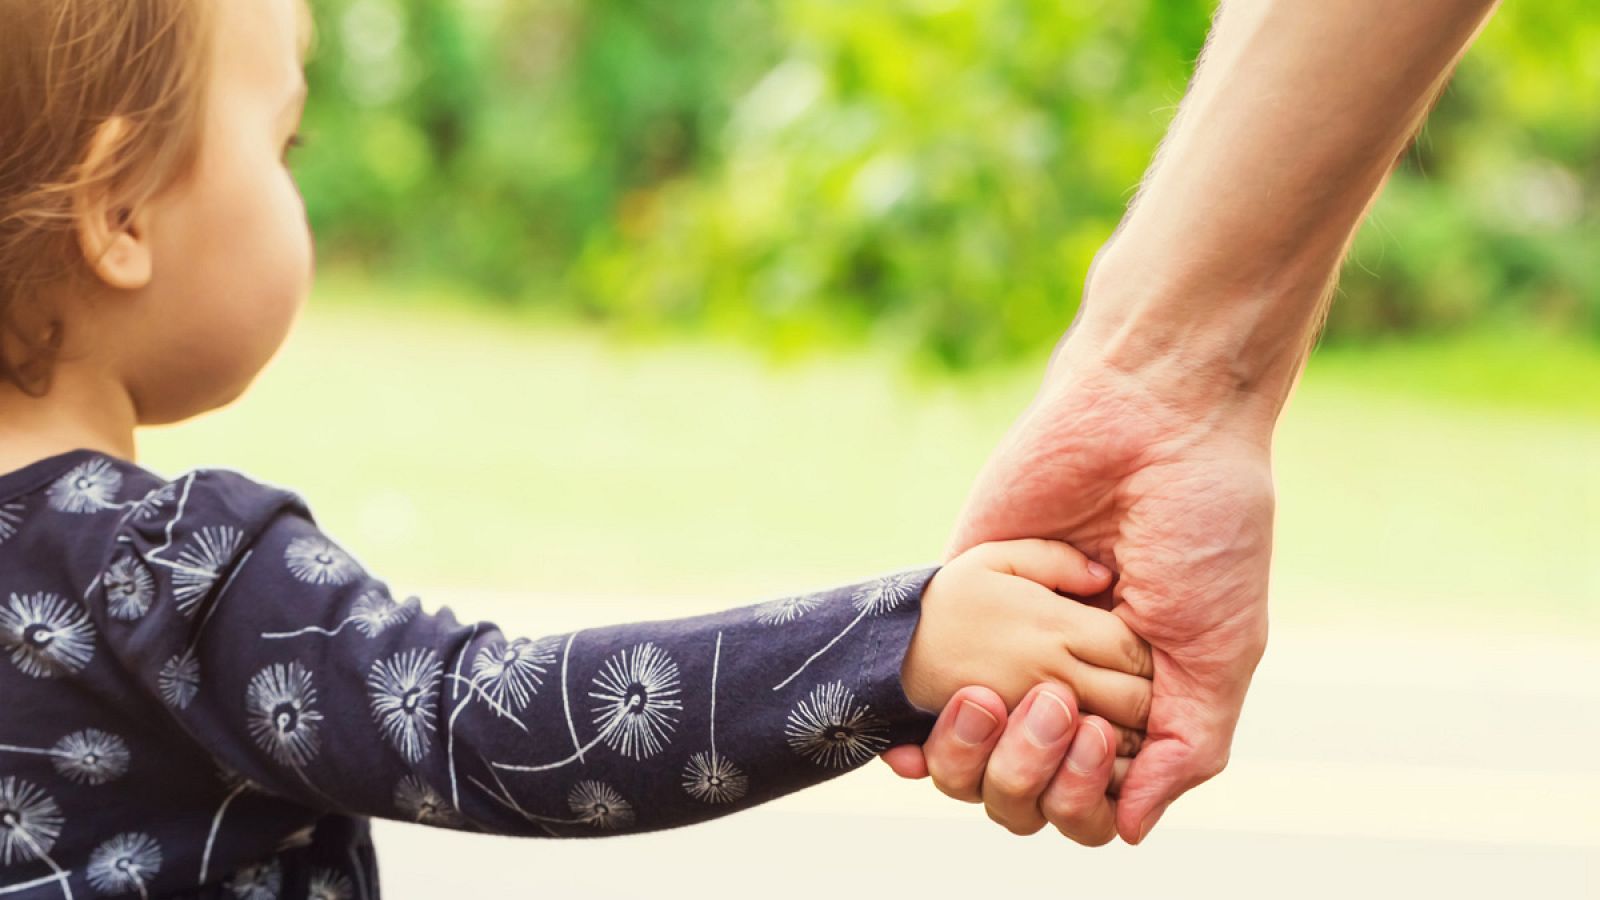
1219, 274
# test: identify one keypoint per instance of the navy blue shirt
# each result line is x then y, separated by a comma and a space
202, 694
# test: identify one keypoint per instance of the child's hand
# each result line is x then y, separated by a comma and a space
992, 616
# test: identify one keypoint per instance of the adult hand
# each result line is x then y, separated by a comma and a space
1169, 485
1147, 446
1047, 763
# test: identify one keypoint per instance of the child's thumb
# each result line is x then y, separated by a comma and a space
1054, 564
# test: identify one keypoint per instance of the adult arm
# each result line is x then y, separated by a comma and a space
1148, 443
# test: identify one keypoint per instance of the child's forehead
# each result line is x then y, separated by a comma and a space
263, 42
305, 29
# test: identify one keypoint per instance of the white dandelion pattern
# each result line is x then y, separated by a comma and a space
45, 634
124, 864
873, 598
261, 881
30, 821
832, 728
281, 712
179, 680
91, 756
317, 560
329, 884
419, 802
786, 609
638, 690
200, 562
149, 506
403, 691
711, 777
599, 804
511, 673
130, 588
90, 487
375, 612
10, 520
881, 595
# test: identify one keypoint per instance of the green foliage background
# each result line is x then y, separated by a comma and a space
927, 173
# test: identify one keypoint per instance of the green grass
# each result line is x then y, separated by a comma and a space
476, 449
1519, 370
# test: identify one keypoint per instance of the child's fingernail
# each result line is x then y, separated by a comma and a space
974, 724
1088, 751
1098, 570
1048, 719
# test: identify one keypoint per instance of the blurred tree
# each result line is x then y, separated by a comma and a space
927, 172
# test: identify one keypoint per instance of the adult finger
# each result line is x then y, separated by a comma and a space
906, 760
1027, 755
1076, 801
958, 747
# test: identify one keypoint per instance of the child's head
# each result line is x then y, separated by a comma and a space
151, 236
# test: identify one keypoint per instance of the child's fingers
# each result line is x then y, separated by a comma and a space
1056, 565
958, 747
1102, 638
1119, 774
1122, 698
1128, 740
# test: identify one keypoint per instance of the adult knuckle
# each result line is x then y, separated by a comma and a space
1029, 828
951, 780
1007, 781
1088, 838
957, 789
1062, 812
998, 817
1010, 822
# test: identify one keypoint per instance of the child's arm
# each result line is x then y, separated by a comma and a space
276, 651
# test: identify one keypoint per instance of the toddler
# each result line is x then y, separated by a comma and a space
206, 696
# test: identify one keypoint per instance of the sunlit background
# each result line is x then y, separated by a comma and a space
640, 308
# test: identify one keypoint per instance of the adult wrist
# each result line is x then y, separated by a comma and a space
1193, 343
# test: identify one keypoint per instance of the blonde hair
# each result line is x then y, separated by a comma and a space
98, 98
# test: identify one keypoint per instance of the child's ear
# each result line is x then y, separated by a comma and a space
113, 236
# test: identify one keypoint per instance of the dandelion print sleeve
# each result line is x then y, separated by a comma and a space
297, 669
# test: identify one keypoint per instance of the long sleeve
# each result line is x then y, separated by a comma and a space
281, 656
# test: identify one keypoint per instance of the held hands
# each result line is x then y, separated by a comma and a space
1177, 496
992, 616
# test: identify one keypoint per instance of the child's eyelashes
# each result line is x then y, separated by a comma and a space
295, 142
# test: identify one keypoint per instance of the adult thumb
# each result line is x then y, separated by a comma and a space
1162, 772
